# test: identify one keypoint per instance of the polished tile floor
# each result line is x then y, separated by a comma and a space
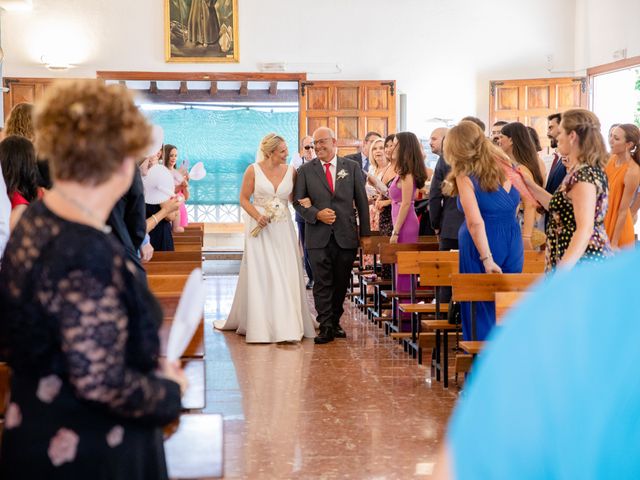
355, 408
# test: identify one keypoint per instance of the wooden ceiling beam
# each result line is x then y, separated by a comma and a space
244, 89
213, 89
273, 88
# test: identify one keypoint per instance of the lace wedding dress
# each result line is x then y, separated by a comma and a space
270, 303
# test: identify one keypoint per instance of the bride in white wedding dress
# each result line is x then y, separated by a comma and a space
270, 303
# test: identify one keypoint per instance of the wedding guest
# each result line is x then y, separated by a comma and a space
411, 175
535, 138
181, 180
20, 121
516, 142
496, 128
475, 120
543, 416
623, 175
446, 219
18, 160
383, 204
361, 157
333, 185
88, 396
307, 153
159, 223
490, 240
557, 171
379, 166
575, 230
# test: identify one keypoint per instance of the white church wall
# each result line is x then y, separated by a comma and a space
442, 53
603, 29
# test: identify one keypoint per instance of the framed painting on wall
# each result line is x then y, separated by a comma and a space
201, 31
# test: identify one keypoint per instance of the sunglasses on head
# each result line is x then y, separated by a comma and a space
309, 147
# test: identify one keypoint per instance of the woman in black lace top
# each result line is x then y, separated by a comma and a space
78, 327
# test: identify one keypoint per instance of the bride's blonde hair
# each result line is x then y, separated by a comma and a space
469, 152
269, 144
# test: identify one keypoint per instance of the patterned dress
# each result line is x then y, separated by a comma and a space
79, 330
562, 220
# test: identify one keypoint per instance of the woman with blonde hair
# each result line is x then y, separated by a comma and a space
489, 238
623, 174
89, 397
576, 231
20, 121
379, 166
270, 303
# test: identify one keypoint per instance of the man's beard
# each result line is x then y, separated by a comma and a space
553, 142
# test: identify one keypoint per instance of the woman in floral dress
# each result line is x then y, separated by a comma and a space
575, 231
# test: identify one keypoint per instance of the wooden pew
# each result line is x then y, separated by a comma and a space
171, 268
369, 246
194, 447
177, 257
167, 283
388, 255
187, 247
436, 273
184, 239
414, 264
505, 301
482, 287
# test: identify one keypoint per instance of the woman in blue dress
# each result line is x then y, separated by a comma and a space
490, 240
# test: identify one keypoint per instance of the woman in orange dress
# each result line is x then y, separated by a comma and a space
623, 174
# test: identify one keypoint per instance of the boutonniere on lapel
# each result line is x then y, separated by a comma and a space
342, 174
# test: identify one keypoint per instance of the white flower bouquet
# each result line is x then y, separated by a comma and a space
274, 210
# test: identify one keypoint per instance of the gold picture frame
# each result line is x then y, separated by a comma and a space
201, 31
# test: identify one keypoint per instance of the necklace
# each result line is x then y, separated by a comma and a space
87, 212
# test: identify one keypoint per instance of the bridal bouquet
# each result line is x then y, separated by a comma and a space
273, 210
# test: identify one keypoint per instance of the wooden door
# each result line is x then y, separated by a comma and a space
349, 108
28, 90
531, 101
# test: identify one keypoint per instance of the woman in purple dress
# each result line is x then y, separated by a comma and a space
408, 162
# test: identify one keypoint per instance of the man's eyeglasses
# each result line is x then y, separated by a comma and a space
309, 147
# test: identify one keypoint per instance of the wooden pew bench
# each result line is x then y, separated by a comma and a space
482, 287
388, 256
171, 267
176, 257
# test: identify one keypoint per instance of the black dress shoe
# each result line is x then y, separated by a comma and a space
338, 332
324, 337
309, 284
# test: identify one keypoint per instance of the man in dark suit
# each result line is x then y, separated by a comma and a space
445, 216
558, 171
332, 184
362, 158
